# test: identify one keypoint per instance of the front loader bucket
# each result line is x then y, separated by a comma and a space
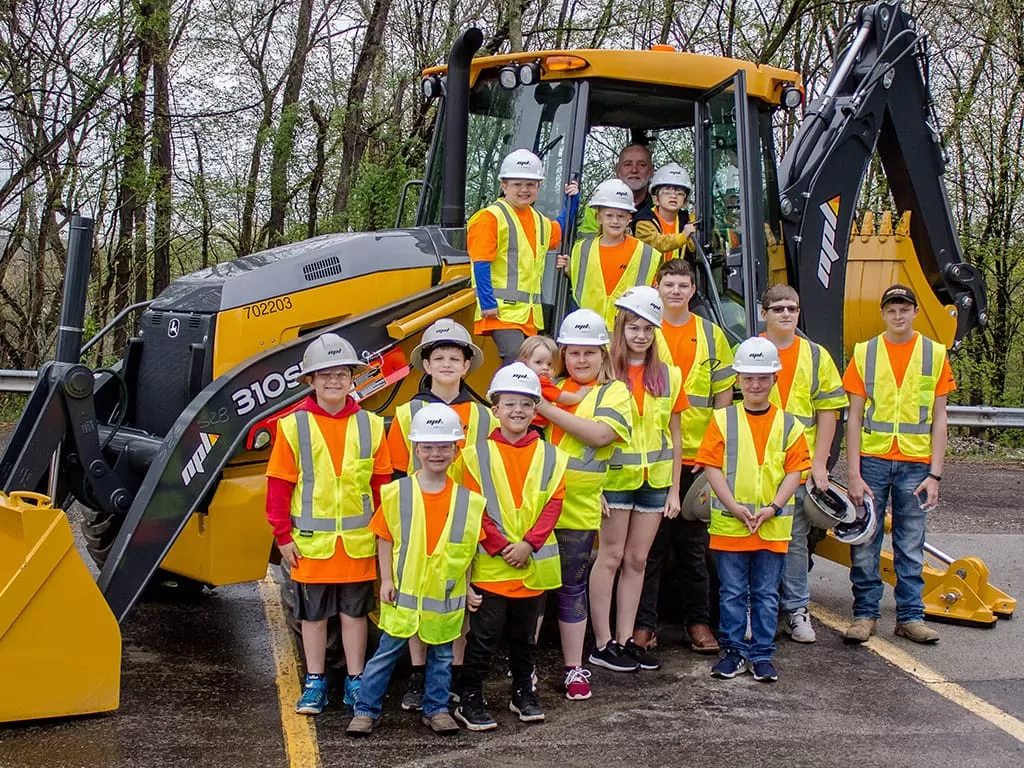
60, 645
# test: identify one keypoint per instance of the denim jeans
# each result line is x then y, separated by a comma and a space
795, 593
896, 480
378, 673
749, 577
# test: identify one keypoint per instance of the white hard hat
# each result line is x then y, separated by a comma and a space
329, 350
521, 164
446, 331
823, 509
671, 175
435, 423
515, 378
756, 355
644, 301
863, 527
697, 502
584, 328
613, 193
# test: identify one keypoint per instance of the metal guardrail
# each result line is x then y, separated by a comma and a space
17, 381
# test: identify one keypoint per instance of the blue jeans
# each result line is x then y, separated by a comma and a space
795, 593
895, 479
378, 673
749, 578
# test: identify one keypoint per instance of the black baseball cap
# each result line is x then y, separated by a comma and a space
898, 292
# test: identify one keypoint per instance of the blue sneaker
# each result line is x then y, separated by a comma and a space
314, 696
729, 666
352, 690
764, 672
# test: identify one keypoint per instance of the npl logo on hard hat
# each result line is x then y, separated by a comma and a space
582, 326
827, 255
520, 376
434, 422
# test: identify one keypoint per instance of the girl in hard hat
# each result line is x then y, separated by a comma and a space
427, 531
668, 226
604, 266
326, 469
589, 433
642, 486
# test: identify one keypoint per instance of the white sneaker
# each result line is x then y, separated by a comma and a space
799, 627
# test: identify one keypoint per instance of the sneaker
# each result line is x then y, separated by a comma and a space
614, 658
533, 677
360, 725
412, 701
799, 626
918, 632
526, 704
352, 690
859, 631
640, 655
764, 671
314, 696
577, 683
472, 712
442, 724
729, 666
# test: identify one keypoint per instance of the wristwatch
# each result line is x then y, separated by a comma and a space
935, 477
777, 508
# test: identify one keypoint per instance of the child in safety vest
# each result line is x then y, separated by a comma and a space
668, 226
604, 266
523, 479
326, 469
427, 529
539, 353
753, 454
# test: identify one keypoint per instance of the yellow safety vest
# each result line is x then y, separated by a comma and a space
431, 589
587, 278
326, 505
816, 387
547, 468
588, 467
482, 422
900, 411
649, 453
517, 270
754, 485
710, 373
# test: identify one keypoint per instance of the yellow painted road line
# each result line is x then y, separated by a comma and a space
929, 678
300, 742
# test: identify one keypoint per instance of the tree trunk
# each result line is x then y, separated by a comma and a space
160, 161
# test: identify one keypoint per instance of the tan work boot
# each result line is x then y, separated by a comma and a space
917, 631
645, 639
702, 639
360, 725
859, 631
442, 723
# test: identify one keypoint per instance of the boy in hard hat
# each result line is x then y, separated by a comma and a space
326, 469
896, 442
604, 266
427, 532
523, 479
753, 454
508, 242
668, 226
808, 387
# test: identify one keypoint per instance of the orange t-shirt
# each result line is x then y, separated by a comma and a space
789, 358
482, 244
398, 443
636, 386
569, 385
435, 509
682, 343
615, 261
667, 227
712, 454
550, 393
899, 359
339, 568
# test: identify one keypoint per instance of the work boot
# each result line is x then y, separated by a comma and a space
360, 725
645, 638
702, 639
799, 626
859, 631
442, 724
918, 632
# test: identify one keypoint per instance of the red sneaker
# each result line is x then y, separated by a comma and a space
577, 683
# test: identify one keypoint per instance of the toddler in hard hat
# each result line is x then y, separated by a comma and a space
539, 353
327, 466
668, 226
427, 530
753, 454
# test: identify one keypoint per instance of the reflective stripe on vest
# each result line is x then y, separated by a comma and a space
649, 453
587, 277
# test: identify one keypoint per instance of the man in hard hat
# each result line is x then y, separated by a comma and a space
634, 168
896, 443
668, 226
753, 454
809, 387
327, 466
427, 531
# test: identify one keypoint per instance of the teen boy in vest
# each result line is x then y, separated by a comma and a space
896, 441
427, 529
324, 476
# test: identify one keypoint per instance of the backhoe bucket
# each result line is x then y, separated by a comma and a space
60, 646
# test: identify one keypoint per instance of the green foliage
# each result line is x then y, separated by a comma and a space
374, 200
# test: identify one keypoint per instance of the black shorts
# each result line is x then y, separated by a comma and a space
316, 602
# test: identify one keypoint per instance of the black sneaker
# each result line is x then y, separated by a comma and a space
412, 701
526, 704
614, 658
472, 712
640, 655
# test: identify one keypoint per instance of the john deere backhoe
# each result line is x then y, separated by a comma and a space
166, 450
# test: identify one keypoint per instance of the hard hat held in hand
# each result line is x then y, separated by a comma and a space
613, 193
863, 527
446, 331
643, 301
515, 379
697, 502
824, 509
671, 175
329, 351
756, 355
436, 423
583, 328
521, 164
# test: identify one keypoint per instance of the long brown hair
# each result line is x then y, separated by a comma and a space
605, 374
655, 375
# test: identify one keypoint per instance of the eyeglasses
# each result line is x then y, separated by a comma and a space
442, 449
327, 375
785, 308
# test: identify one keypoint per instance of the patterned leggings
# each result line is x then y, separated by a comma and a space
574, 550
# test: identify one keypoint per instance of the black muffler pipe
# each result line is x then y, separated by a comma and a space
76, 287
456, 128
